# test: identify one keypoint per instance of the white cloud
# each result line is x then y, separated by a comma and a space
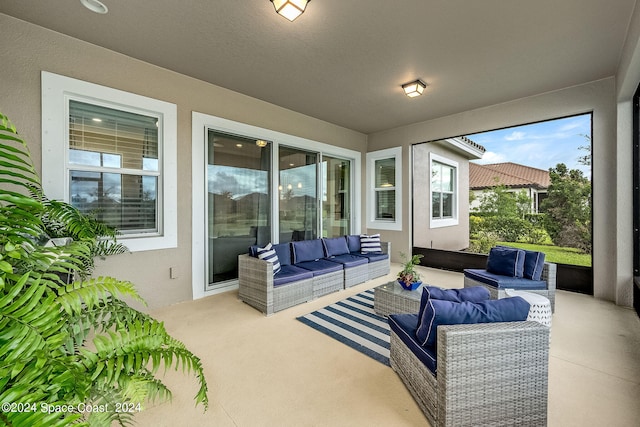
515, 136
491, 157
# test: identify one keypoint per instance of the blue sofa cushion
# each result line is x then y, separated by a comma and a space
269, 254
372, 257
307, 250
335, 246
504, 282
321, 266
472, 294
348, 260
353, 242
370, 243
506, 261
283, 250
291, 273
533, 265
405, 326
438, 312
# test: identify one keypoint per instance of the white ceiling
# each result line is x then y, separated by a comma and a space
343, 61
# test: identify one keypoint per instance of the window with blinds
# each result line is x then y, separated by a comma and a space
114, 166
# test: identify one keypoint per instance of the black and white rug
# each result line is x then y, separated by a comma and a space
353, 322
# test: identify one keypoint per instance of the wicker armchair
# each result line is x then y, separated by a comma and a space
490, 374
548, 275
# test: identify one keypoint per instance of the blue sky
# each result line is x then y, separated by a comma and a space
540, 145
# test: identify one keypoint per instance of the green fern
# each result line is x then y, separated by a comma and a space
45, 323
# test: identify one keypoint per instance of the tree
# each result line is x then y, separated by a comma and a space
586, 159
568, 208
501, 202
498, 201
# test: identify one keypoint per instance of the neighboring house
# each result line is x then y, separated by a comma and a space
513, 176
441, 214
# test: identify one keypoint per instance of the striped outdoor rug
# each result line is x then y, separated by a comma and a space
353, 322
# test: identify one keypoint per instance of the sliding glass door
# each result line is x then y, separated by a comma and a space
336, 196
238, 201
314, 198
298, 194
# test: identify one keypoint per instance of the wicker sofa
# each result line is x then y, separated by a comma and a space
309, 269
483, 374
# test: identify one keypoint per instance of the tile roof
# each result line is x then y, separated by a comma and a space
508, 174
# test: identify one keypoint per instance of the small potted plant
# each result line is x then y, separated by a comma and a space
408, 277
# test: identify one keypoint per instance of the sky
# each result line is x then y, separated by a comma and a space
540, 145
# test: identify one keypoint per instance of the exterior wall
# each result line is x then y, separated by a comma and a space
28, 49
424, 235
597, 97
532, 193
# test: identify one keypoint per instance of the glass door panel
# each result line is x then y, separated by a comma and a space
336, 197
298, 195
238, 201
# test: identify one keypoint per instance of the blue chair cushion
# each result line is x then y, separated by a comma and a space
321, 266
405, 326
283, 250
307, 250
335, 246
504, 282
438, 312
269, 254
533, 264
353, 242
291, 273
348, 260
506, 261
472, 294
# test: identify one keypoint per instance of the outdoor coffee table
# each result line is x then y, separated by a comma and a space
391, 298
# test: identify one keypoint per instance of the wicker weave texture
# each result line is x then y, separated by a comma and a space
383, 267
326, 283
548, 275
356, 275
387, 302
492, 374
255, 287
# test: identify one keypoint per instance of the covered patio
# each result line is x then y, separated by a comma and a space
278, 371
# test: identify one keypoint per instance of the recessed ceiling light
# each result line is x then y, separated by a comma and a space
95, 119
95, 6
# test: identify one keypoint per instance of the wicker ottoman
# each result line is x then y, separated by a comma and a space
391, 298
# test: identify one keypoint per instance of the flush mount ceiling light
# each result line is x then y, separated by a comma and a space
414, 89
290, 9
261, 143
95, 6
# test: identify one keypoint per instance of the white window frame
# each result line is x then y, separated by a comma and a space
56, 92
372, 222
200, 125
444, 222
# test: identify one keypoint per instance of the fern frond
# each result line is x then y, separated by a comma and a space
143, 344
82, 295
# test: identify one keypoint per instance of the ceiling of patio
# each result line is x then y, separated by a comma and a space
344, 61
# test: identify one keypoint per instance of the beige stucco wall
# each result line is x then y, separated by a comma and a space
454, 237
598, 97
27, 50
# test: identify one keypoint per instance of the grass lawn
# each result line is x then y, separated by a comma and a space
555, 253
